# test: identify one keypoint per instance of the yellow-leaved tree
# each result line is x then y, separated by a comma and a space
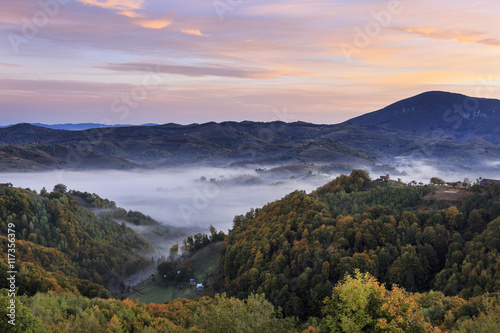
360, 304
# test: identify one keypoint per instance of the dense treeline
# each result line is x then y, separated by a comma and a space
296, 249
400, 199
358, 303
57, 235
200, 240
134, 217
353, 256
111, 210
40, 269
92, 199
70, 313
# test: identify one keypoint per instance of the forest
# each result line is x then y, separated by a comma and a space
355, 255
296, 250
62, 246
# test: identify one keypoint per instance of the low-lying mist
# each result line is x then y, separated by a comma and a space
421, 170
195, 198
190, 197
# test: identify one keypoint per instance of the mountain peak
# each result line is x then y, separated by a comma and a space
27, 128
453, 113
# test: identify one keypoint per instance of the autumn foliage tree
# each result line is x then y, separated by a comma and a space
360, 304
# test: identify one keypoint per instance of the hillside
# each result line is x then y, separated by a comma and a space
413, 262
67, 244
65, 255
296, 249
37, 157
204, 263
174, 145
442, 129
455, 115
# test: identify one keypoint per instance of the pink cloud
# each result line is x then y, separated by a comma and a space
118, 5
11, 65
158, 23
194, 32
192, 71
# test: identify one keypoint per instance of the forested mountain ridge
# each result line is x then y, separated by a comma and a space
62, 240
456, 115
65, 255
30, 147
355, 255
447, 129
296, 249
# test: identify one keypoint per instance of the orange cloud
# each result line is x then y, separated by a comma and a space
155, 24
458, 35
194, 32
130, 13
428, 77
130, 8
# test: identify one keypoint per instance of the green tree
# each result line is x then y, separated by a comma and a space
17, 313
60, 188
173, 252
437, 181
360, 304
485, 322
256, 314
168, 270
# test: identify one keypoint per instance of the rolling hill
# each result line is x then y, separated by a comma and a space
459, 116
413, 262
444, 129
175, 145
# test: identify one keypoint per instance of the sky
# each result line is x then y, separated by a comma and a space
158, 61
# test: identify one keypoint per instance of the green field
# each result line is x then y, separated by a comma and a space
205, 270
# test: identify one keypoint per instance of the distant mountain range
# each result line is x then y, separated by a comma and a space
452, 131
81, 126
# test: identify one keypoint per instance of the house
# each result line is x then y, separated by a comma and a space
485, 182
6, 185
199, 287
384, 178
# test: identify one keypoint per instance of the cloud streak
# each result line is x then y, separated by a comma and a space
460, 36
123, 7
10, 65
132, 9
194, 32
192, 71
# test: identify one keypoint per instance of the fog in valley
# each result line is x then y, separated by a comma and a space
189, 198
421, 170
195, 198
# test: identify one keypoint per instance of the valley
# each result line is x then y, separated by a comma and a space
258, 166
293, 251
273, 219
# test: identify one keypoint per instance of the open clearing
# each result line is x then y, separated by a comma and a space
205, 270
448, 193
